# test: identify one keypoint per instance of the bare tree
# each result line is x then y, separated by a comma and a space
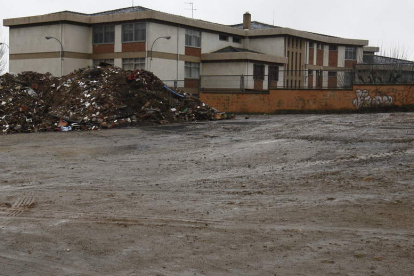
391, 66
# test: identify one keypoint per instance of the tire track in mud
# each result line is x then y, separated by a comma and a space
217, 224
269, 169
23, 264
21, 205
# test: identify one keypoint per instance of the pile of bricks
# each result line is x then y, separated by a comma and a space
94, 98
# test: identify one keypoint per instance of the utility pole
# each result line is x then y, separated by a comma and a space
192, 8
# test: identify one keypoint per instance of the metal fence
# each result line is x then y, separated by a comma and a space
303, 79
289, 79
384, 74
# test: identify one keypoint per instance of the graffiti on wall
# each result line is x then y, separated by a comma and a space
365, 99
379, 97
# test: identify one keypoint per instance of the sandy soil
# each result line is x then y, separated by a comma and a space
271, 195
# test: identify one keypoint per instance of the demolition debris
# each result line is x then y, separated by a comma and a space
94, 98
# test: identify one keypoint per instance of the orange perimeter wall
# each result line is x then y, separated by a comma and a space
279, 100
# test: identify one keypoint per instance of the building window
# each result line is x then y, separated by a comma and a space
331, 74
96, 62
311, 44
273, 73
236, 39
310, 72
223, 38
348, 79
320, 46
103, 34
258, 72
134, 32
192, 70
133, 63
192, 38
288, 61
333, 48
350, 53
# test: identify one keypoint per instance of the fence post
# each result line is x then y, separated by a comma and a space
268, 82
175, 84
242, 83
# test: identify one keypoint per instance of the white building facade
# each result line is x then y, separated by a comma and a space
252, 55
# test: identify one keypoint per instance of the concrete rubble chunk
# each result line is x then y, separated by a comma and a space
94, 98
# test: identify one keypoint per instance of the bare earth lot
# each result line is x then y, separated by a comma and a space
272, 195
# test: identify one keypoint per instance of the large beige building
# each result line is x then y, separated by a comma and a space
251, 55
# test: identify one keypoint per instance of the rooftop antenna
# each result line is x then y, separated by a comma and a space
132, 3
273, 18
192, 8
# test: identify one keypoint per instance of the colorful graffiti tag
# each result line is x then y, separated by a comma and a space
384, 96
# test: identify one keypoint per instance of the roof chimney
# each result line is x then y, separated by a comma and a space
247, 21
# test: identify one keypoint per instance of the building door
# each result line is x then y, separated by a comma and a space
273, 76
258, 76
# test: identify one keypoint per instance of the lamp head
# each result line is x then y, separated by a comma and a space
48, 37
167, 37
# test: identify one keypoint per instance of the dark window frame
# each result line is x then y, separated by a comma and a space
258, 72
350, 53
333, 48
237, 40
273, 73
192, 38
190, 68
134, 32
103, 34
135, 62
223, 37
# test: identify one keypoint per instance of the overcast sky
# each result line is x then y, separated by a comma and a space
384, 23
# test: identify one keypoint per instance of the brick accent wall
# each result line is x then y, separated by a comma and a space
333, 58
319, 57
311, 56
195, 52
133, 47
350, 63
258, 85
191, 83
326, 99
280, 100
272, 84
332, 82
310, 81
103, 48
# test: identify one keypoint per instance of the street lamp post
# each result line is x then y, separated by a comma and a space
61, 53
165, 37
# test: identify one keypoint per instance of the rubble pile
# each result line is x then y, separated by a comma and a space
94, 98
25, 102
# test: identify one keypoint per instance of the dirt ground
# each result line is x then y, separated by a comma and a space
268, 195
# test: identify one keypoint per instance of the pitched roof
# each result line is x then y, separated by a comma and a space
231, 49
374, 59
118, 11
141, 13
255, 25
